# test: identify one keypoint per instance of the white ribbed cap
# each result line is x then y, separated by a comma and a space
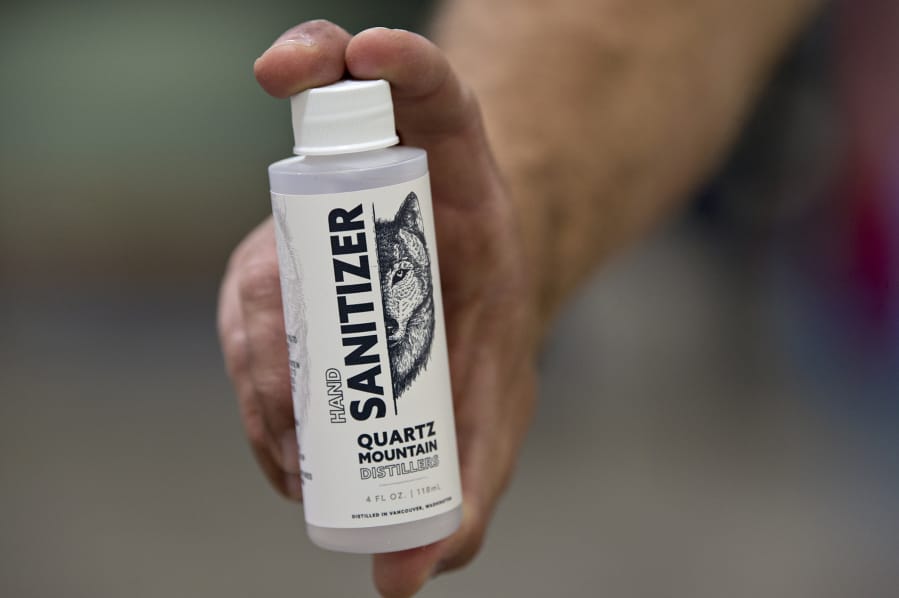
348, 116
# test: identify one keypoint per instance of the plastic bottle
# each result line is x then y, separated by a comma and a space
364, 321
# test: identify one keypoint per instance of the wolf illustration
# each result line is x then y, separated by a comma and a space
407, 292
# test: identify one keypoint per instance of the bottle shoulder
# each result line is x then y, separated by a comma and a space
310, 175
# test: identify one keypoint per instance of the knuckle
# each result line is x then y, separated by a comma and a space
272, 385
236, 351
240, 253
258, 282
256, 432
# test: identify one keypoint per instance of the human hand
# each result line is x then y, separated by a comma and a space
489, 290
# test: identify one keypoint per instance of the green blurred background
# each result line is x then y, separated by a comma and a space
718, 408
134, 137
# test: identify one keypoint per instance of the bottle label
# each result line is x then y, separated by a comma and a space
368, 359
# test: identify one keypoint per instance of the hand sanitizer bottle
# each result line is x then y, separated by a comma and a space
364, 320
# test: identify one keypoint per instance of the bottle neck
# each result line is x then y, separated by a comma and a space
340, 150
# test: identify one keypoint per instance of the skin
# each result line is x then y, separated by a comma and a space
603, 116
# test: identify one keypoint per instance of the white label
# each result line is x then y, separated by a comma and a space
368, 359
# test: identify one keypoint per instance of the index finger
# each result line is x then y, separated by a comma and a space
308, 55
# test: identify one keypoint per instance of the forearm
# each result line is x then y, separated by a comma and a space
604, 114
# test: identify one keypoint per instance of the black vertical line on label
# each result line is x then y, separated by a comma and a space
374, 220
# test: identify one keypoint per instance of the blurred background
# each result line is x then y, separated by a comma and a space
725, 396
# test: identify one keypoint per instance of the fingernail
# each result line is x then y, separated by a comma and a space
296, 38
293, 485
290, 452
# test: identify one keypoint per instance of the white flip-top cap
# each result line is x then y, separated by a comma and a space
348, 116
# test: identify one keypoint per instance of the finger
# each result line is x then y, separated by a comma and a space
402, 574
264, 449
308, 55
233, 337
486, 468
433, 109
259, 289
230, 318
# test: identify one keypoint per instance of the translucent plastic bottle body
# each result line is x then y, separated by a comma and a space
312, 175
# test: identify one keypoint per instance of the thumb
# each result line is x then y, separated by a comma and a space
401, 574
